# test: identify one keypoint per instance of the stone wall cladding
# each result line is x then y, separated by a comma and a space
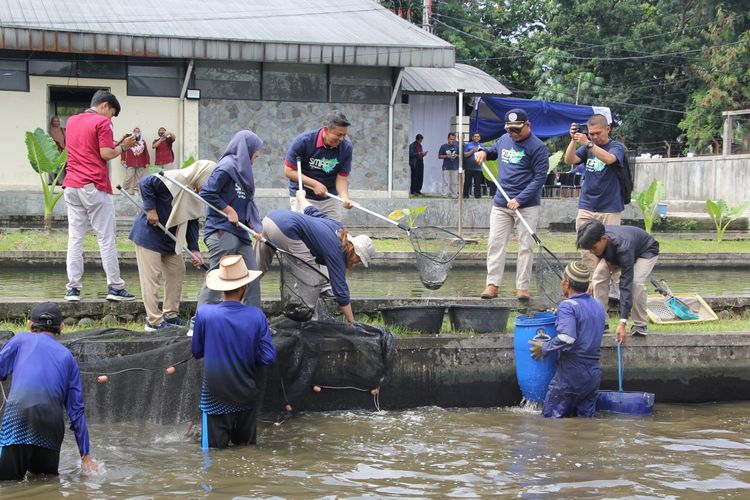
278, 123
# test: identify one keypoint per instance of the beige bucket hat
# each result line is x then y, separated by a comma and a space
231, 274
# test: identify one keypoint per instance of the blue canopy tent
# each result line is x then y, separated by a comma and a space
548, 118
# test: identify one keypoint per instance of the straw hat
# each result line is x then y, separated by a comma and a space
231, 274
363, 247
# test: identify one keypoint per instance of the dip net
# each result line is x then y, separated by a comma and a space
548, 271
142, 377
300, 285
436, 249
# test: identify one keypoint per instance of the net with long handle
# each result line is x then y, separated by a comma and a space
300, 286
436, 249
548, 271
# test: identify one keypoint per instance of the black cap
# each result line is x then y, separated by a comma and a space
46, 314
516, 116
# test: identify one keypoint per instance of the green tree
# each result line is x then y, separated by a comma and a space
46, 161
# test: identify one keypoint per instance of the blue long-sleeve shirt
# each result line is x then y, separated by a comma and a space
156, 195
45, 379
320, 234
233, 339
220, 190
522, 169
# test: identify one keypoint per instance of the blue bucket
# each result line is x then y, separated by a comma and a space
534, 375
626, 402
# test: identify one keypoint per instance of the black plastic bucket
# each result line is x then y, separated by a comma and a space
479, 319
426, 319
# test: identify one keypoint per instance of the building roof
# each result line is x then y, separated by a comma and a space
347, 32
472, 80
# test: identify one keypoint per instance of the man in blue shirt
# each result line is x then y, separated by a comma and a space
45, 380
580, 320
522, 169
326, 159
472, 168
600, 193
449, 154
234, 340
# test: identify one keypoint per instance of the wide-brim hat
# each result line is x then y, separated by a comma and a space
231, 274
363, 247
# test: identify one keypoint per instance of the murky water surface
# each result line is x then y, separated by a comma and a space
34, 282
700, 451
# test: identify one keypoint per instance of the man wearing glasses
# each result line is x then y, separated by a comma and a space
522, 168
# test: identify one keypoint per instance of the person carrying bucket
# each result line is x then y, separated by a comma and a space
234, 340
580, 322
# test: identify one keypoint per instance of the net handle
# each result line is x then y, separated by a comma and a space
400, 225
171, 236
507, 199
299, 173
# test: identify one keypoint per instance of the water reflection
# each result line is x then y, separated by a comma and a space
682, 451
29, 282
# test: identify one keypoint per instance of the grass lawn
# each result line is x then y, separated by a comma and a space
58, 240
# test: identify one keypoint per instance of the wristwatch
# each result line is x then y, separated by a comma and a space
589, 145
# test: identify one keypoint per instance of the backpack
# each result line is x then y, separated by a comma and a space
625, 176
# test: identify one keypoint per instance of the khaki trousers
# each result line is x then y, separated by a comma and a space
332, 208
591, 260
152, 267
450, 182
502, 223
133, 176
641, 271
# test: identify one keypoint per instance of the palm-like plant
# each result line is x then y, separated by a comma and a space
46, 161
648, 200
723, 215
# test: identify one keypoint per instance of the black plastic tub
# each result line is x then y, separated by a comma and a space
479, 319
425, 319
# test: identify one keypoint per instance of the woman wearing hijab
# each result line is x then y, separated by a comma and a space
318, 240
231, 189
157, 254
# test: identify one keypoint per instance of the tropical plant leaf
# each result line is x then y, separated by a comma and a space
42, 152
397, 214
713, 210
188, 161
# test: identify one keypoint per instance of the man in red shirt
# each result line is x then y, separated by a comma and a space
88, 192
135, 160
163, 146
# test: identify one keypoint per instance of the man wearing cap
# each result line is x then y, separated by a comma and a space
317, 239
88, 192
45, 380
631, 252
580, 326
522, 169
325, 156
600, 193
234, 340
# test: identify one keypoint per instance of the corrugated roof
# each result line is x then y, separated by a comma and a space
351, 32
472, 80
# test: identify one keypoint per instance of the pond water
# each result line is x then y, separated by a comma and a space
681, 452
35, 282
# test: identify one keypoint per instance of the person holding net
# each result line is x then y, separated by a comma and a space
316, 239
157, 255
522, 169
231, 189
234, 340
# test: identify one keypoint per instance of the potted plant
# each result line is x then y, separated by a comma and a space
46, 161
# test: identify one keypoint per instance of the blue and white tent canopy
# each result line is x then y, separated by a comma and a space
548, 118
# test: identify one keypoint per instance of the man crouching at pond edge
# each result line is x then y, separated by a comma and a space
580, 326
233, 339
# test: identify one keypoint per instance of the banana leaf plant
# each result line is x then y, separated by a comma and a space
410, 214
48, 162
723, 215
648, 201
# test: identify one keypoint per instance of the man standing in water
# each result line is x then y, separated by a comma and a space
45, 380
580, 326
233, 339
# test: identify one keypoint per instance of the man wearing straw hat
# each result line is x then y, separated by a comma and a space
233, 339
157, 255
580, 325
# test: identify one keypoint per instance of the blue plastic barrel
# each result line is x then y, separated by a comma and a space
534, 375
626, 402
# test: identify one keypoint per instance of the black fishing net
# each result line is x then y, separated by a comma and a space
300, 286
152, 377
548, 271
436, 249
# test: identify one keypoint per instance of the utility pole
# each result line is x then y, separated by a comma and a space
427, 15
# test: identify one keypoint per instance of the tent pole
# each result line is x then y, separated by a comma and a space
460, 187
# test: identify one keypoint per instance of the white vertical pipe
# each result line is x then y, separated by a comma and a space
460, 160
390, 131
